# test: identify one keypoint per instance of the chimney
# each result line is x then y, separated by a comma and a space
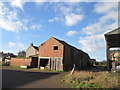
31, 44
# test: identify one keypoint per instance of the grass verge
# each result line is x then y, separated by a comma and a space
29, 69
85, 79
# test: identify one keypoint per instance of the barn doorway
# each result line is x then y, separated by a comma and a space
34, 62
43, 62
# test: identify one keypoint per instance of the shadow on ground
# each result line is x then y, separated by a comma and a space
14, 79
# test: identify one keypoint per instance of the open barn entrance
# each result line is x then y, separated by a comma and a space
34, 62
50, 63
43, 62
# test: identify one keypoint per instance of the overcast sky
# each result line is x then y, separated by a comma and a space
81, 24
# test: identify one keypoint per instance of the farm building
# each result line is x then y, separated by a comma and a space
56, 54
112, 41
32, 50
31, 58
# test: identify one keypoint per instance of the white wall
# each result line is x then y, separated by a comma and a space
30, 51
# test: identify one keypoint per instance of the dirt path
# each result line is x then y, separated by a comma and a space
29, 79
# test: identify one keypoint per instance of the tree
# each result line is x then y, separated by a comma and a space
104, 62
21, 54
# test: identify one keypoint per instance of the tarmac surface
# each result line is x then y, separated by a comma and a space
31, 79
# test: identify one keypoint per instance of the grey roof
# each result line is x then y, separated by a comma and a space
116, 31
7, 54
36, 47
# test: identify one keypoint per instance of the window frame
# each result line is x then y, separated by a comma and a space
55, 46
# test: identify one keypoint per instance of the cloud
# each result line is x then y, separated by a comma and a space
104, 7
65, 10
68, 13
94, 39
53, 19
36, 26
9, 19
11, 44
17, 46
71, 33
40, 2
73, 19
107, 21
92, 43
9, 26
18, 4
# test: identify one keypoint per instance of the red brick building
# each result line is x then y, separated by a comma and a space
55, 54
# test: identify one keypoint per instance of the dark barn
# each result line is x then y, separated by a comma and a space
55, 54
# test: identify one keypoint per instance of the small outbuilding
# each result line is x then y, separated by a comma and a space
23, 61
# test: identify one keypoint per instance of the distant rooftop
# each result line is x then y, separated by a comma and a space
116, 31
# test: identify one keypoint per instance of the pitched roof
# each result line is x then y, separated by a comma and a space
7, 54
64, 43
116, 31
36, 47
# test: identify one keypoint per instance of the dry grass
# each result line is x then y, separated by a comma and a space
86, 79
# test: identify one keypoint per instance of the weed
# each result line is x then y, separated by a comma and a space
87, 79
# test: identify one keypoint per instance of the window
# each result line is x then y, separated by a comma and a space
55, 48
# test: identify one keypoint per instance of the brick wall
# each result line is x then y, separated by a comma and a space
46, 49
20, 61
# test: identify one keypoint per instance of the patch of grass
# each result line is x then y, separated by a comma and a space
57, 71
85, 79
30, 69
15, 67
78, 83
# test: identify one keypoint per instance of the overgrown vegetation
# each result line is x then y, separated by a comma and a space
86, 79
